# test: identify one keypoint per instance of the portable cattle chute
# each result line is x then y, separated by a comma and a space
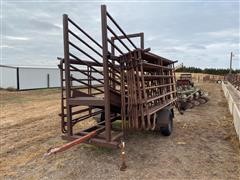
115, 80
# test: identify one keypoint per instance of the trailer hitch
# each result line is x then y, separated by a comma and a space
70, 144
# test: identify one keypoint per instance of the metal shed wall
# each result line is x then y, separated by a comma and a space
8, 77
33, 78
23, 78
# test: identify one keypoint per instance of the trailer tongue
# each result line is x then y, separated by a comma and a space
70, 144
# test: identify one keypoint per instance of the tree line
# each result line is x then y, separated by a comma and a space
207, 70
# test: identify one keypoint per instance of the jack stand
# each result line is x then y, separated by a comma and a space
123, 157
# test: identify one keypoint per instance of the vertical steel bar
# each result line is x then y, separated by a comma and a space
62, 97
88, 80
142, 40
67, 73
123, 98
140, 90
135, 115
105, 70
144, 94
112, 47
139, 94
174, 80
89, 85
113, 62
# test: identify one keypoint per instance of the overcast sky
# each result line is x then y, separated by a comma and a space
196, 33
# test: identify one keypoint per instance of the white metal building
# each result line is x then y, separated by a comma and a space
22, 78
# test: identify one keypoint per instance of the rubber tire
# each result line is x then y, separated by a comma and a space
167, 131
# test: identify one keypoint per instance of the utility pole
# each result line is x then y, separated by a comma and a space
230, 71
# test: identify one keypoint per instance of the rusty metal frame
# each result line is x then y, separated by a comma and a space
133, 84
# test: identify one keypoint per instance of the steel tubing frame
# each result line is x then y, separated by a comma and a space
134, 83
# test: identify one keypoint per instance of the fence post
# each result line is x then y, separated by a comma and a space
18, 79
48, 81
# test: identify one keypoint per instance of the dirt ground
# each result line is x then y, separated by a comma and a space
203, 145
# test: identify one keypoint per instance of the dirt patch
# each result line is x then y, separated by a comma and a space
202, 146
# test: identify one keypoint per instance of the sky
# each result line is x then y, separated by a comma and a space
196, 33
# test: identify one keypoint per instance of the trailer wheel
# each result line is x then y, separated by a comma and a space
167, 129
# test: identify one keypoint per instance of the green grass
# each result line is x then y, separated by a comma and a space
117, 124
